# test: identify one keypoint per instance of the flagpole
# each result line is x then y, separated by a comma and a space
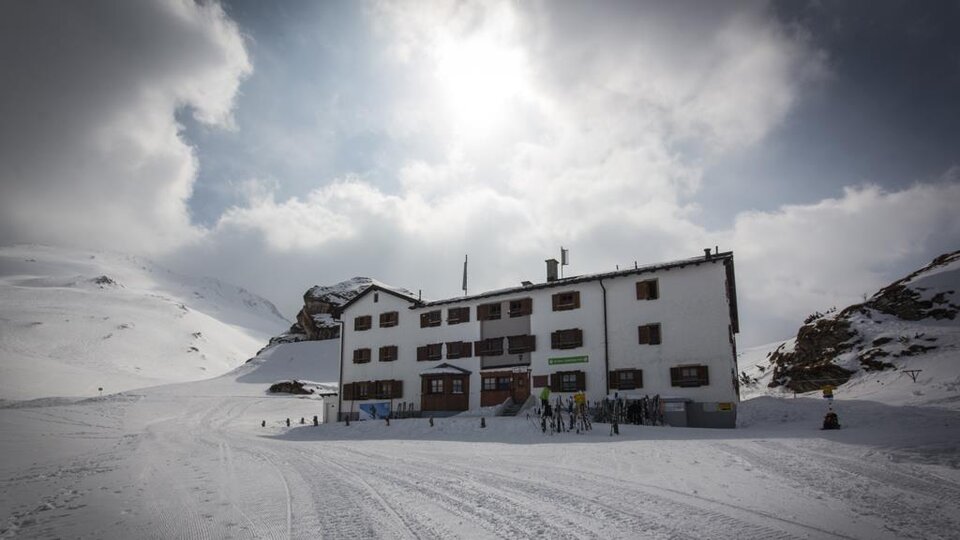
464, 275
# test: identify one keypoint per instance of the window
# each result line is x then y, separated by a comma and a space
539, 381
521, 344
361, 356
490, 347
384, 389
388, 353
362, 323
489, 384
376, 297
436, 386
433, 351
649, 334
456, 386
489, 312
565, 301
689, 376
459, 349
503, 383
458, 315
521, 307
388, 319
566, 339
362, 390
626, 379
430, 318
648, 290
568, 381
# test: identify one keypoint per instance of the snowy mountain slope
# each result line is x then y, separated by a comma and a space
869, 349
73, 321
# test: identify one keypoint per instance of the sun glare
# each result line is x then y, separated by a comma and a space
480, 79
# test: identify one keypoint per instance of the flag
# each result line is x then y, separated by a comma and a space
464, 274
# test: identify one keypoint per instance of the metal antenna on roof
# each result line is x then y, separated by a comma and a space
464, 287
564, 259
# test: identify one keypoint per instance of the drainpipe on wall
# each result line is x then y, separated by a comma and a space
606, 346
340, 374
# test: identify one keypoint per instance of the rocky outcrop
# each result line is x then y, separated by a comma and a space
852, 334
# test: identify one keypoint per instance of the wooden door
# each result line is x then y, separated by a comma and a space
520, 387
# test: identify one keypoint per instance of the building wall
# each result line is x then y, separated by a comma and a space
692, 310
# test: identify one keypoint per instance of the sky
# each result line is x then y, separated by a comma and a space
283, 145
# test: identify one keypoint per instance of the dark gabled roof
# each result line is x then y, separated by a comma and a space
444, 368
728, 255
369, 289
726, 258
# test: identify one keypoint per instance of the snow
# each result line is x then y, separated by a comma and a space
64, 334
191, 460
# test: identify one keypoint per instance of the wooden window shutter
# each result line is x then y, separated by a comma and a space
397, 389
578, 336
654, 289
422, 353
638, 377
644, 334
703, 375
466, 349
643, 290
654, 334
348, 391
555, 339
555, 381
581, 380
424, 385
674, 376
540, 381
483, 311
614, 380
527, 304
556, 302
424, 320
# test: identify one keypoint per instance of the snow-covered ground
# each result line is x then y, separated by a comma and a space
73, 321
191, 460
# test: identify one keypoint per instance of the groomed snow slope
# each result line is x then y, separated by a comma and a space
191, 461
73, 321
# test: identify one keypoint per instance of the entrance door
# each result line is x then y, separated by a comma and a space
520, 387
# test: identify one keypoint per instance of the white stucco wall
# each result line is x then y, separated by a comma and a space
692, 310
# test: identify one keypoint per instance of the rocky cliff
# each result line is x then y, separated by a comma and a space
913, 315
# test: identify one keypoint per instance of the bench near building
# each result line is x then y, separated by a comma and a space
666, 329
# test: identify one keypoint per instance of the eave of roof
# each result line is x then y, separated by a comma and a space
369, 289
725, 256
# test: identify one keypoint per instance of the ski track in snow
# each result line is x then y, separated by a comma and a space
168, 466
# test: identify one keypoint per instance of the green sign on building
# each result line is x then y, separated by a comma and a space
567, 360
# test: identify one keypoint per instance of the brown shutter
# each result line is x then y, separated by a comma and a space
581, 380
397, 389
644, 334
578, 335
424, 385
654, 334
643, 290
348, 391
638, 377
555, 340
556, 302
654, 289
527, 304
483, 311
576, 299
614, 380
674, 376
424, 320
421, 353
703, 375
466, 349
555, 381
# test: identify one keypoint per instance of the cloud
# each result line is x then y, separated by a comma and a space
90, 150
805, 258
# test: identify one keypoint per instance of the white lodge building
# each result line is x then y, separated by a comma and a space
664, 329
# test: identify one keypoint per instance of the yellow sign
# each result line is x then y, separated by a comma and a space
827, 391
725, 406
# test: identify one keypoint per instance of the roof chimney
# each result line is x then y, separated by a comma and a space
552, 269
706, 253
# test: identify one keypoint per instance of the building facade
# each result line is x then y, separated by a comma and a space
666, 329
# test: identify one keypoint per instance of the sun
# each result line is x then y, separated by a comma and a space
481, 79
